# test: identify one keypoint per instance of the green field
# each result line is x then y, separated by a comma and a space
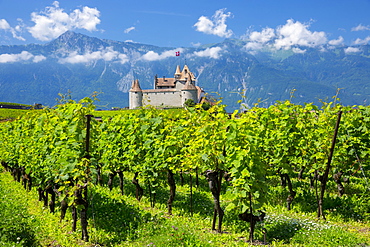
8, 114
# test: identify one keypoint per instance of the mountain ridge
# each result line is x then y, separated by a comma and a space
82, 65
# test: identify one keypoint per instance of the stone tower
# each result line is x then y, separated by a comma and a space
136, 95
189, 91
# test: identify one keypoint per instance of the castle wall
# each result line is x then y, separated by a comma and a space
179, 85
166, 98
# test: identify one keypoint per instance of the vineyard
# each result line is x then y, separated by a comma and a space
306, 158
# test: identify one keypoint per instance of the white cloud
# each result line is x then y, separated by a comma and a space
263, 37
352, 50
216, 25
362, 41
38, 58
153, 56
127, 30
23, 56
297, 33
53, 22
258, 40
18, 29
287, 36
335, 42
196, 44
107, 54
254, 46
360, 27
298, 50
123, 58
4, 24
87, 19
213, 52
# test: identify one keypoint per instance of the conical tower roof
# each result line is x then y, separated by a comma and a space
135, 86
186, 74
178, 71
186, 69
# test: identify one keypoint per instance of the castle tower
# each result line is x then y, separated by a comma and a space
178, 72
189, 91
136, 95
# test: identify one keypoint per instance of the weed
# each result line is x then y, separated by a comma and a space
120, 220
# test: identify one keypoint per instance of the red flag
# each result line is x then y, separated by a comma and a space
177, 53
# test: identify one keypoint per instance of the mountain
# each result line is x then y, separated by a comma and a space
79, 65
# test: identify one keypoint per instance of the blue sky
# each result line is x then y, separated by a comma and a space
167, 23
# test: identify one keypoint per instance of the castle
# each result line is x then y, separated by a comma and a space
167, 92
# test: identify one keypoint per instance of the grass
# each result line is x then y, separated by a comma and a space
24, 221
295, 229
9, 114
14, 104
12, 114
120, 220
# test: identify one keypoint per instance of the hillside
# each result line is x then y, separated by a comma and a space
80, 65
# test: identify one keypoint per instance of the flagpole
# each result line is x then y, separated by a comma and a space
178, 55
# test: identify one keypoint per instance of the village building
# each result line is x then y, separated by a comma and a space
167, 92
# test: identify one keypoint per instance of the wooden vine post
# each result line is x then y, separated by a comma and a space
82, 197
324, 180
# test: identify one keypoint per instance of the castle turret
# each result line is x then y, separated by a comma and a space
136, 95
189, 91
178, 72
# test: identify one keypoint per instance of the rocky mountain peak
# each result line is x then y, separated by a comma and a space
71, 41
